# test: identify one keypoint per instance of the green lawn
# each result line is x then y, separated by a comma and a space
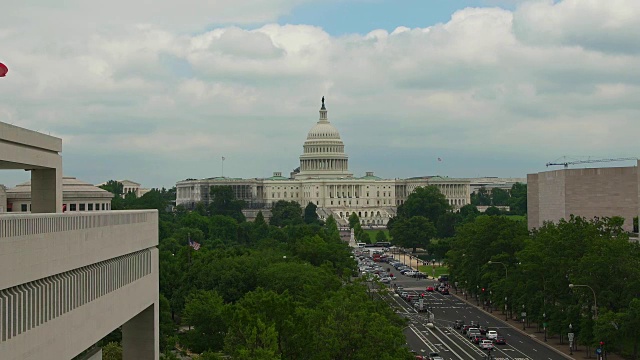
439, 270
373, 232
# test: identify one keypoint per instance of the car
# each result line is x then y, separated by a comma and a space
486, 345
478, 339
430, 288
435, 356
492, 334
444, 291
465, 329
430, 325
500, 341
458, 324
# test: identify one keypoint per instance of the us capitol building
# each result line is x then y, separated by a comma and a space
323, 178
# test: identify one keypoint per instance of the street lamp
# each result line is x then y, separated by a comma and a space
506, 310
490, 303
595, 301
524, 326
506, 271
570, 341
477, 297
544, 325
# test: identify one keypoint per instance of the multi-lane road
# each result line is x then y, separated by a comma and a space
450, 343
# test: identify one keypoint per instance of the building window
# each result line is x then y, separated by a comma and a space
90, 207
331, 202
273, 195
72, 207
102, 206
81, 207
23, 207
97, 207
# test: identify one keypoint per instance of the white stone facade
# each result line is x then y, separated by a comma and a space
323, 179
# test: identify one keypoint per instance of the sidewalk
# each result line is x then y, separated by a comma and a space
531, 330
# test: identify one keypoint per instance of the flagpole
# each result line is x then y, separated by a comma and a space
223, 166
189, 249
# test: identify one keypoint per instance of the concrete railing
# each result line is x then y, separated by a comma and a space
34, 246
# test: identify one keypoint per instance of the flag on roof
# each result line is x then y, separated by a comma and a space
439, 159
223, 158
194, 245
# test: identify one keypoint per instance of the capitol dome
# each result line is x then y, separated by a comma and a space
323, 155
323, 130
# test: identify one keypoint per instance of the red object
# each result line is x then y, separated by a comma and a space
3, 70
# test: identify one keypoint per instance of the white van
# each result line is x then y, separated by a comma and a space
361, 245
492, 335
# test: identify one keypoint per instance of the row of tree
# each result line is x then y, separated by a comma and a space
531, 273
258, 290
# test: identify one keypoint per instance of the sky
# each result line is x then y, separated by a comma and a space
158, 95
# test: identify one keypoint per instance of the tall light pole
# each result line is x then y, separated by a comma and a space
544, 325
506, 276
595, 301
523, 317
506, 271
506, 310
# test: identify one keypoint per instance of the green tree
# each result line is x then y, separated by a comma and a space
114, 187
167, 326
499, 197
518, 199
469, 213
310, 214
207, 313
381, 236
117, 189
353, 220
492, 211
112, 351
446, 225
631, 326
224, 202
481, 197
413, 232
331, 228
286, 213
427, 202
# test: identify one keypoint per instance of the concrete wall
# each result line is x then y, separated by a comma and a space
68, 335
601, 192
45, 248
33, 246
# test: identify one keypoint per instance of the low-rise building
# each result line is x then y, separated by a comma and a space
76, 196
589, 193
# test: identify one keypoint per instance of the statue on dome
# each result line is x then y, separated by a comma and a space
323, 101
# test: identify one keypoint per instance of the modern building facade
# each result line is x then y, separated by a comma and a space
592, 192
323, 178
76, 196
69, 279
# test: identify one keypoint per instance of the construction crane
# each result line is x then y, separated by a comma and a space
591, 161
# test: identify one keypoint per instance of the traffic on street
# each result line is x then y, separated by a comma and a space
443, 325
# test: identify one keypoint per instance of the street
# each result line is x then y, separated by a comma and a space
451, 343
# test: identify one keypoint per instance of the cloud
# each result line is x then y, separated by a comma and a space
155, 101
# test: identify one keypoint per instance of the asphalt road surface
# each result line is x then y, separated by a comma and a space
451, 343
